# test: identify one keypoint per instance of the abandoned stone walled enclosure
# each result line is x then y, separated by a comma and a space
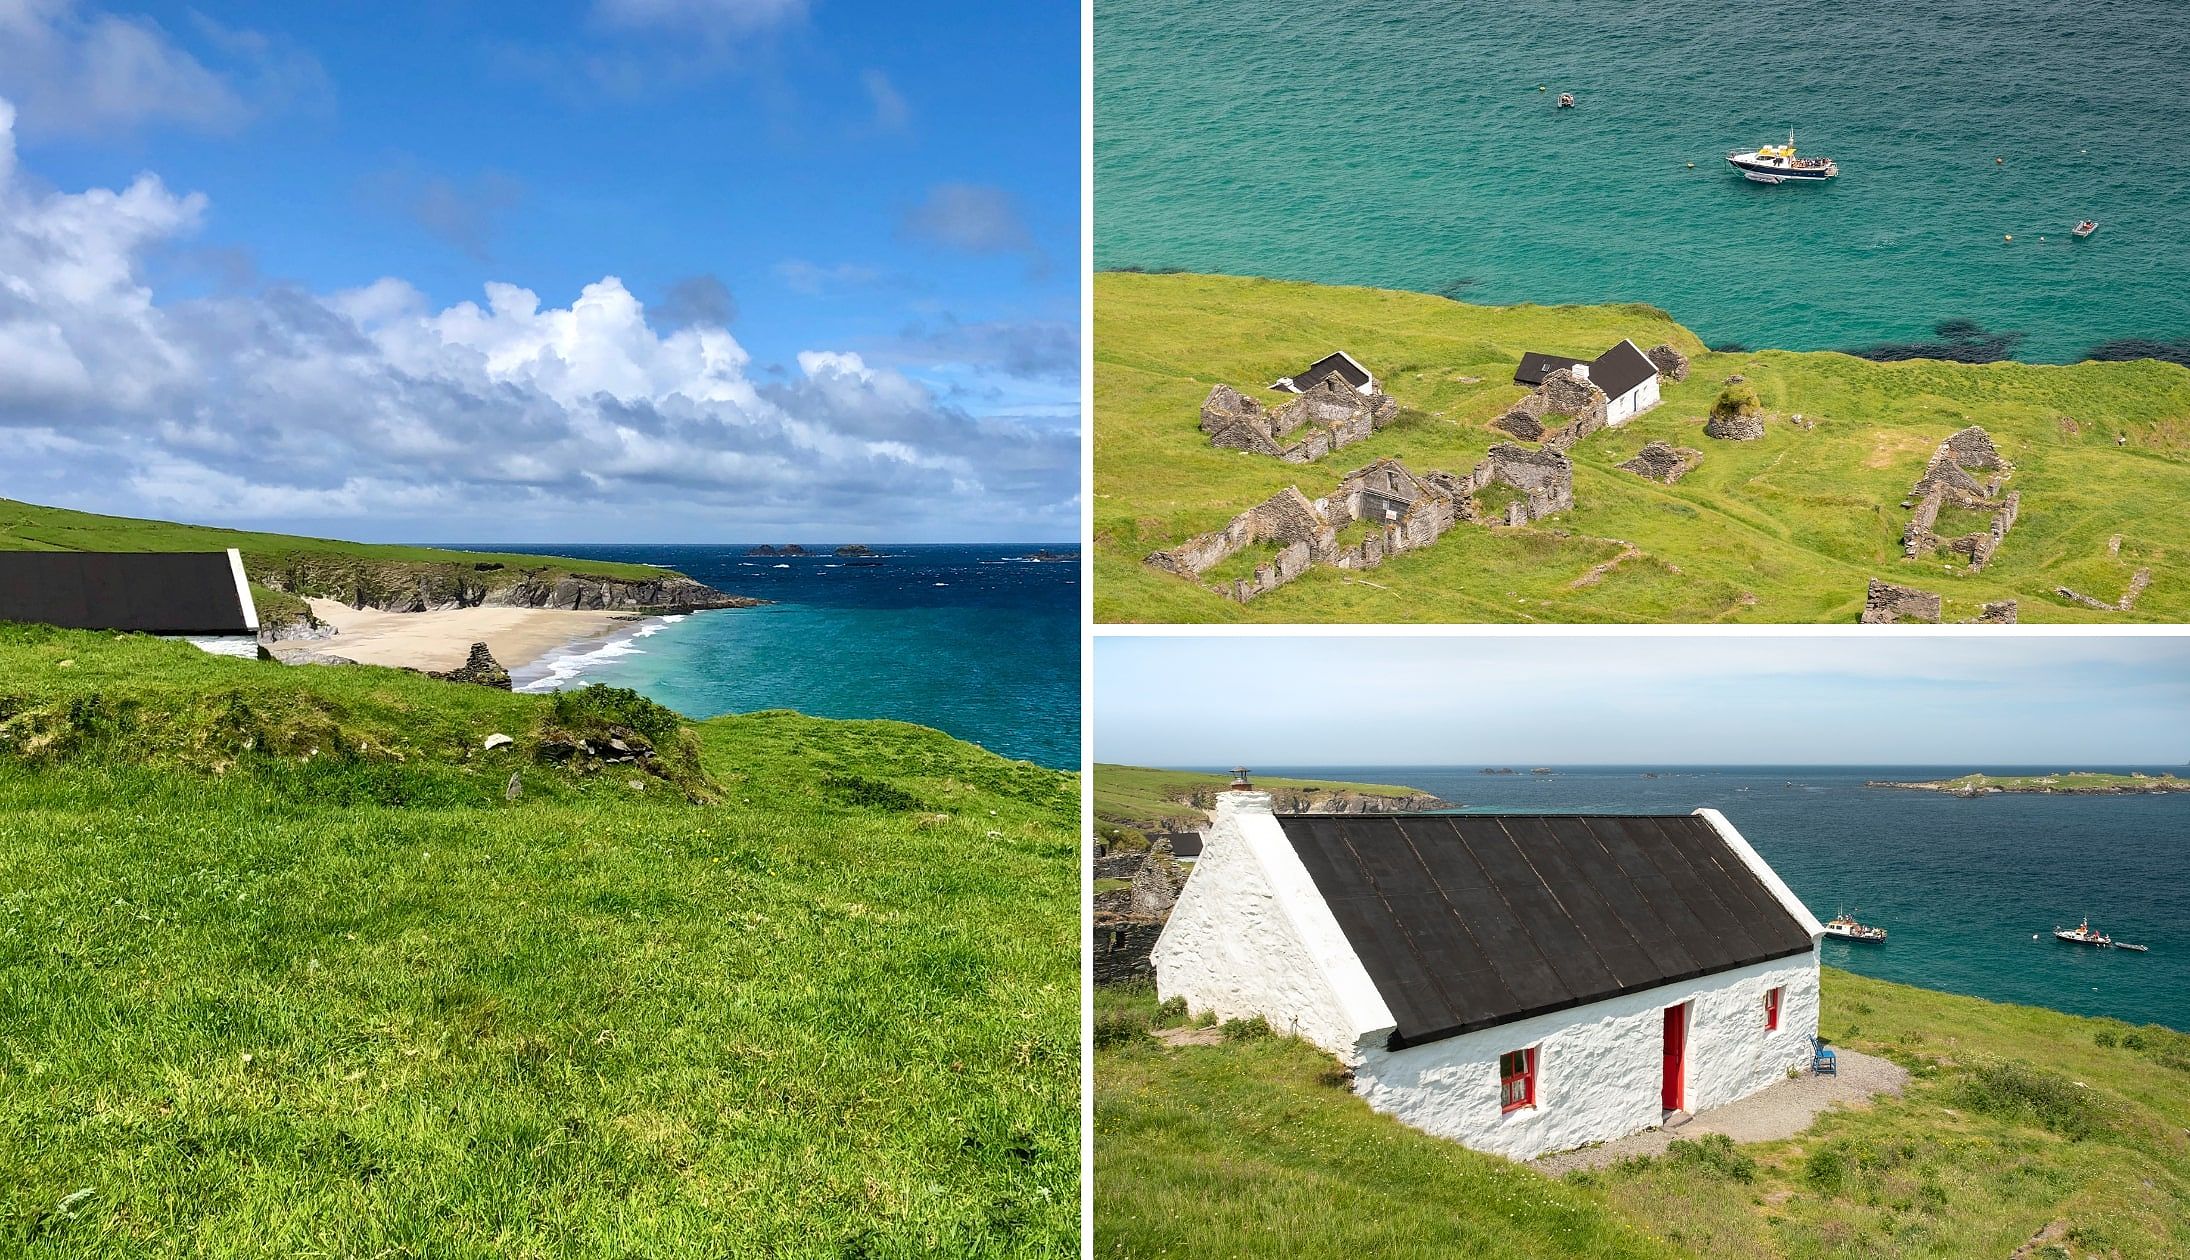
1328, 416
1947, 483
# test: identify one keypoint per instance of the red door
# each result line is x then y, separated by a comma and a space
1676, 1044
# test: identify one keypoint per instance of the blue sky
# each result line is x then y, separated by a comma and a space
797, 268
2067, 702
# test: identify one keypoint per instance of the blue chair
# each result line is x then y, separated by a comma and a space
1823, 1062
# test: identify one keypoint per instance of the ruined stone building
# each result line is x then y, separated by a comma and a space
1520, 983
1325, 416
1947, 483
1401, 509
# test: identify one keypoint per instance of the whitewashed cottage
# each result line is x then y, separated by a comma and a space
1338, 363
1626, 375
201, 596
1519, 983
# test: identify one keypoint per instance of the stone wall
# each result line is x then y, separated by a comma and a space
1736, 427
2137, 582
1119, 948
1562, 396
1885, 603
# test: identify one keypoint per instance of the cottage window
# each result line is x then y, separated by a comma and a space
1517, 1079
1771, 1008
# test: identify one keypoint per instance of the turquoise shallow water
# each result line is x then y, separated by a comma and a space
973, 640
1403, 143
1960, 885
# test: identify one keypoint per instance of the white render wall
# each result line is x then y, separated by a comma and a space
1600, 1068
1632, 403
1251, 936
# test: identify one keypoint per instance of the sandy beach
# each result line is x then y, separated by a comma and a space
440, 640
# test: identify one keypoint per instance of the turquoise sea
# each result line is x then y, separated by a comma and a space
1405, 144
1961, 886
973, 640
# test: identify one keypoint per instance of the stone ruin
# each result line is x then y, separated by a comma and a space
1404, 511
1671, 363
1885, 603
1127, 921
1947, 483
1330, 415
1734, 427
1562, 395
1663, 461
2137, 582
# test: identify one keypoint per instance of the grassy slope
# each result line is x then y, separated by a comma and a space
1796, 521
1133, 795
261, 1001
1255, 1147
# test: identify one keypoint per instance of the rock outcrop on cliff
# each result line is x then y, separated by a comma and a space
433, 587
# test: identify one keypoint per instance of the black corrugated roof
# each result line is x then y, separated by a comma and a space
1535, 367
1621, 369
1467, 921
171, 592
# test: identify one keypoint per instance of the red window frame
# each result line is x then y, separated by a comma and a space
1517, 1080
1771, 1008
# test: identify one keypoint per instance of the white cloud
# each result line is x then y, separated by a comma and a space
891, 111
77, 72
376, 401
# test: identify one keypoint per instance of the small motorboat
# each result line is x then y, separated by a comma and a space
1566, 100
2126, 945
2086, 228
2083, 934
1846, 928
1777, 164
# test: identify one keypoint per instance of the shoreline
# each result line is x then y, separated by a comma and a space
441, 639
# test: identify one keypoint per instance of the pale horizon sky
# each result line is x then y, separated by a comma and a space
1335, 701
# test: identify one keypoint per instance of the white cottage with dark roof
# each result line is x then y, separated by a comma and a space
1626, 375
1521, 983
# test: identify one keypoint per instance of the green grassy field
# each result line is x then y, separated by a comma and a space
284, 972
2020, 1126
1788, 528
1138, 796
280, 565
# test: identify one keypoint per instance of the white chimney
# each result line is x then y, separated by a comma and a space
1581, 371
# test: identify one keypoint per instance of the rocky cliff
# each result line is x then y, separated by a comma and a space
392, 587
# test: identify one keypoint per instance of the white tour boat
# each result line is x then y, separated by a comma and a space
1777, 164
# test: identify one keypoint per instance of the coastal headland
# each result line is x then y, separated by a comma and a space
2068, 783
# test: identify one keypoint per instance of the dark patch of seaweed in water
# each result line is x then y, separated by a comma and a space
1959, 341
2125, 349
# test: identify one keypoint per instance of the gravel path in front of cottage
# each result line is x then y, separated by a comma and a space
1778, 1111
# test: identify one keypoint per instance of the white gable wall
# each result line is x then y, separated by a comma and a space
1251, 936
1633, 403
1600, 1068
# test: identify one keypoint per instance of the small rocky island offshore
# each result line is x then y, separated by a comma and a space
2071, 783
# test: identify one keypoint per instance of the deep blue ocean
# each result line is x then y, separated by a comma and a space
1405, 144
1960, 885
967, 639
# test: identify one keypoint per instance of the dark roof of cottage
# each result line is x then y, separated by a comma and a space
1616, 371
1185, 844
1467, 921
1334, 364
172, 592
1535, 367
1621, 369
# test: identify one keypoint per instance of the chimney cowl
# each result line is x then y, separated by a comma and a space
1239, 780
